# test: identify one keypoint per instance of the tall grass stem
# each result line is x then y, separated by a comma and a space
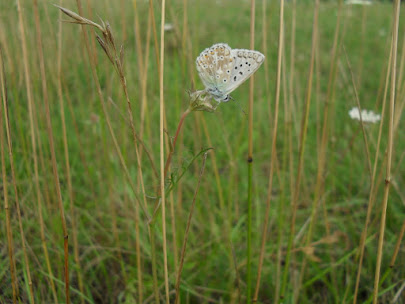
396, 10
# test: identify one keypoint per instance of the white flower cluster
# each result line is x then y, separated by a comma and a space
358, 2
367, 116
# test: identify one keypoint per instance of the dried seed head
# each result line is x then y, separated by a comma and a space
77, 18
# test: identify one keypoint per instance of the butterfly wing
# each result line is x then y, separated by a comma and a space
215, 66
246, 62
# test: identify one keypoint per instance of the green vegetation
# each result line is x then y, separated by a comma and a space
110, 251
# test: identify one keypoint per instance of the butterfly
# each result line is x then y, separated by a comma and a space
223, 69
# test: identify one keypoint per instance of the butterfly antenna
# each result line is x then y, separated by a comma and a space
240, 108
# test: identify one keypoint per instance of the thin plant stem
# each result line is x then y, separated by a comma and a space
183, 249
30, 110
397, 245
34, 152
66, 149
396, 10
54, 166
155, 39
151, 231
176, 136
10, 246
162, 147
168, 161
106, 115
226, 220
356, 95
151, 222
250, 164
173, 227
77, 133
292, 61
303, 135
289, 106
273, 149
324, 146
372, 187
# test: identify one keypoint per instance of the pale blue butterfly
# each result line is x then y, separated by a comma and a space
223, 69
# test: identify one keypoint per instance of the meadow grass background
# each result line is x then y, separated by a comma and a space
108, 232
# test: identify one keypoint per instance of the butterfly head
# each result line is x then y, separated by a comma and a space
218, 95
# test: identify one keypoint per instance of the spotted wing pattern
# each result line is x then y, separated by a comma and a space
222, 69
246, 63
214, 66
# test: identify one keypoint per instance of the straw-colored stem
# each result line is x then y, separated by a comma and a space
396, 10
54, 164
250, 163
289, 134
173, 227
34, 153
360, 67
118, 150
155, 39
183, 249
356, 95
318, 193
138, 250
141, 181
10, 246
65, 146
107, 116
143, 66
273, 149
176, 136
151, 231
158, 202
162, 148
27, 75
303, 135
397, 245
77, 133
372, 187
226, 219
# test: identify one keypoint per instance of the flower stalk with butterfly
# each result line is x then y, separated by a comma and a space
221, 69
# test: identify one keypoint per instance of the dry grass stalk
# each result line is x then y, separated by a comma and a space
183, 249
303, 136
250, 160
273, 149
66, 151
35, 157
116, 58
27, 76
10, 246
396, 9
397, 245
373, 187
319, 186
163, 168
